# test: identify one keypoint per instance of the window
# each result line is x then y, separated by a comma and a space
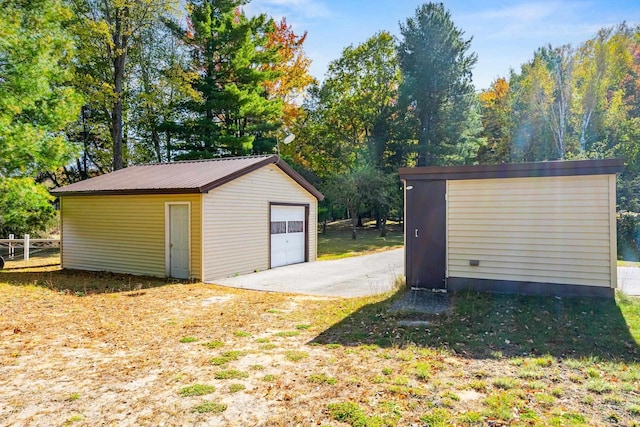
278, 227
296, 226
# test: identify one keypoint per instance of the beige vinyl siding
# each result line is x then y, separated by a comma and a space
545, 230
236, 221
123, 234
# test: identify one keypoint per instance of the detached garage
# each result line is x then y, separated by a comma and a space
202, 220
534, 228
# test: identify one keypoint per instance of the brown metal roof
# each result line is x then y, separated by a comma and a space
515, 170
196, 176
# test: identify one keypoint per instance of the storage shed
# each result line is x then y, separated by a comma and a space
203, 219
535, 228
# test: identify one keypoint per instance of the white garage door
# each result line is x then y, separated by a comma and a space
287, 235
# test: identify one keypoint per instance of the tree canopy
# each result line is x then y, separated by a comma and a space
37, 102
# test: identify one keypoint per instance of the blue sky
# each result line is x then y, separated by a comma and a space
505, 33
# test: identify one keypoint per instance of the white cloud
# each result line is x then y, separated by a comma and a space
531, 19
295, 9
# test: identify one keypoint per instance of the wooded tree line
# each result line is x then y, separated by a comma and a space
90, 86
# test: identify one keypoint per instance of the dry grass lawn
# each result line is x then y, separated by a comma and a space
102, 349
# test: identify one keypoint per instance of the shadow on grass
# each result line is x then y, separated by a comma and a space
493, 326
80, 282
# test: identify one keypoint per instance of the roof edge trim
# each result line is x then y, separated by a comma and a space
515, 170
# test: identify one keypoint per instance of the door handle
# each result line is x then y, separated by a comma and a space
416, 232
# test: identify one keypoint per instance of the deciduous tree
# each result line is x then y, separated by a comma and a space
37, 101
107, 31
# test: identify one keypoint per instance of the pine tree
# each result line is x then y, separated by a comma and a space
436, 68
229, 52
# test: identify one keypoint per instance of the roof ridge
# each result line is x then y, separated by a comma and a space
214, 159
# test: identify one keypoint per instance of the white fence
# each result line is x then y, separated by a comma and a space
27, 244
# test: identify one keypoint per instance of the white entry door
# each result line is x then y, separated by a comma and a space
179, 241
287, 235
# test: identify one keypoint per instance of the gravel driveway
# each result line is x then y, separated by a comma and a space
347, 277
358, 276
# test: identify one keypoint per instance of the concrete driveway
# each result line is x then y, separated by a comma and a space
347, 277
358, 276
629, 280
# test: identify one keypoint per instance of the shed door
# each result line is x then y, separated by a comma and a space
426, 234
179, 241
288, 235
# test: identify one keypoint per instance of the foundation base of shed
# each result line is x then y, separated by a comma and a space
456, 284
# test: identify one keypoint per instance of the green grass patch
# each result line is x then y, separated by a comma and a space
303, 326
73, 419
287, 333
531, 373
545, 399
210, 407
236, 387
568, 419
628, 263
599, 386
438, 417
230, 374
213, 344
424, 370
268, 346
352, 414
188, 339
471, 418
227, 356
242, 334
333, 346
337, 242
544, 362
321, 379
296, 355
197, 390
505, 383
501, 406
478, 385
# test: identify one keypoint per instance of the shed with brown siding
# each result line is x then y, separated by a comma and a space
533, 228
204, 219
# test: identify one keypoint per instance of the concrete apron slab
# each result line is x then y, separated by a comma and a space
348, 277
360, 276
629, 280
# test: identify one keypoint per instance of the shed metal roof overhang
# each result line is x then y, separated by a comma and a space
185, 177
515, 170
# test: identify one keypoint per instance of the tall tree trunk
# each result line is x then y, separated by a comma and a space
116, 133
354, 220
119, 55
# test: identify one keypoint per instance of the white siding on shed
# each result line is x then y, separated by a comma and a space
545, 230
236, 229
